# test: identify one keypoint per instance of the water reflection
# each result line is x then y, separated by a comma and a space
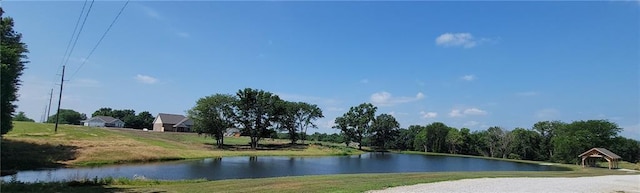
260, 167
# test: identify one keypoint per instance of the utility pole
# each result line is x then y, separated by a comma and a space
42, 119
59, 100
50, 97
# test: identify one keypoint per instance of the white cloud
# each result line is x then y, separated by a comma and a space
548, 113
470, 77
152, 13
527, 93
474, 111
364, 81
325, 123
183, 34
386, 99
428, 115
397, 114
470, 123
465, 40
464, 112
146, 79
455, 113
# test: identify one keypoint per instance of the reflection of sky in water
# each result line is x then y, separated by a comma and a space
259, 167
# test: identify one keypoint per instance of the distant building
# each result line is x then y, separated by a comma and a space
232, 132
103, 121
173, 123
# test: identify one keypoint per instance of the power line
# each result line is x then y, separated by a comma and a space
66, 51
79, 32
68, 55
101, 38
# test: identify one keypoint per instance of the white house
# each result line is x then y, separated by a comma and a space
103, 121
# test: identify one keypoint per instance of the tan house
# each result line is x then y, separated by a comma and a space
172, 123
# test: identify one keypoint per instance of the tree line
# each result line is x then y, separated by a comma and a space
142, 120
259, 114
256, 113
545, 141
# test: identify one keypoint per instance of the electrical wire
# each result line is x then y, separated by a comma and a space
101, 38
79, 32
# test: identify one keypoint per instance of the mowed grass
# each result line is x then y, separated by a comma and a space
320, 183
127, 145
86, 146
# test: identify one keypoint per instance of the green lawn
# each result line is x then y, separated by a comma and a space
320, 183
35, 145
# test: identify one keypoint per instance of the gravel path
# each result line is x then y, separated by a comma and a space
613, 183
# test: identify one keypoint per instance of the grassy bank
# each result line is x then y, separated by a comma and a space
35, 145
622, 164
32, 144
322, 183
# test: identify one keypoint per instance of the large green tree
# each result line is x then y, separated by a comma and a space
68, 116
434, 137
305, 115
256, 113
580, 136
406, 137
12, 62
547, 130
465, 146
628, 149
357, 122
454, 140
22, 117
478, 143
383, 130
526, 144
145, 120
285, 119
212, 115
348, 133
104, 111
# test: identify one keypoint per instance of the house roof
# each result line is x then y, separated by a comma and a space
603, 151
184, 123
106, 119
177, 120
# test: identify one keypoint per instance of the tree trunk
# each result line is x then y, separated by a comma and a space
254, 143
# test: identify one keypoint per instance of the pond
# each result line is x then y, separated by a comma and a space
262, 167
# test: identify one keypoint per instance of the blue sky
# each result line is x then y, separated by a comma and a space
467, 64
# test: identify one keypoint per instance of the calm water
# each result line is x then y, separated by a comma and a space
261, 167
